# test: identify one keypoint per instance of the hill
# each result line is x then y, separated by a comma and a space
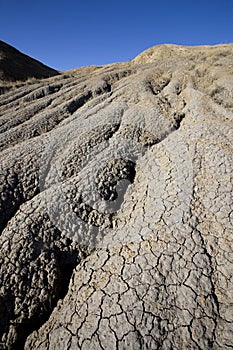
116, 205
14, 65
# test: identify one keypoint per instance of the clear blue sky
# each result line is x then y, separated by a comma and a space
68, 34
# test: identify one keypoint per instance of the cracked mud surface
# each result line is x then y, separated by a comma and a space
116, 205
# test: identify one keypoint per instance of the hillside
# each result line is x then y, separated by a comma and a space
14, 65
116, 205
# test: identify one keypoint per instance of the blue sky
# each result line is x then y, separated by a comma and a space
69, 34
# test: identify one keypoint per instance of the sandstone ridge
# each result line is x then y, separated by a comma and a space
116, 205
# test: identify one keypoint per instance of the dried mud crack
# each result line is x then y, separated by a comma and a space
116, 205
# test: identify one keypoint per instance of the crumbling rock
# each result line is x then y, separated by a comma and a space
116, 205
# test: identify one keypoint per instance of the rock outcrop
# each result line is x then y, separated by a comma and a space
116, 205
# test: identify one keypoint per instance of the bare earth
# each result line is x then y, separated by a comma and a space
116, 205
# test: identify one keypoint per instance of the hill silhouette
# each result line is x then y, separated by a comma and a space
15, 65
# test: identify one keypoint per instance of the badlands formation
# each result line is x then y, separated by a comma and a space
116, 204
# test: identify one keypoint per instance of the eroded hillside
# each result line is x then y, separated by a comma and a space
116, 205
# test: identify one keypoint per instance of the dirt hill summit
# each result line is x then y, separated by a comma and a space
116, 205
